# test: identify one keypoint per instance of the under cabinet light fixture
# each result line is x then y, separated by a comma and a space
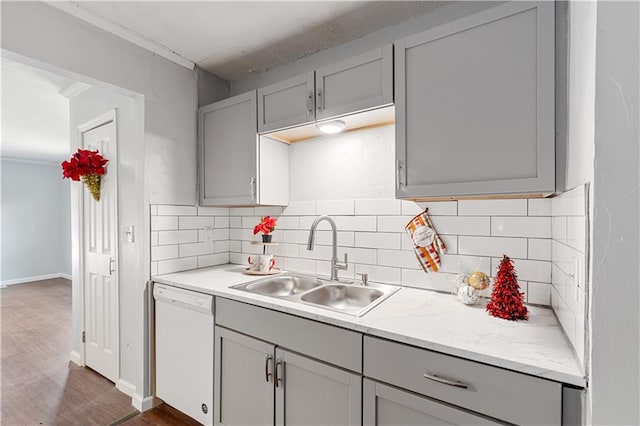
331, 127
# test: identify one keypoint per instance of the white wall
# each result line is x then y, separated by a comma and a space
160, 166
351, 165
131, 262
615, 291
36, 237
447, 13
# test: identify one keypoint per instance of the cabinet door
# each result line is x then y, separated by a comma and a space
243, 380
475, 105
359, 83
286, 103
309, 392
386, 405
228, 146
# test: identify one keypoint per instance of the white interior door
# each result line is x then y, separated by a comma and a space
100, 257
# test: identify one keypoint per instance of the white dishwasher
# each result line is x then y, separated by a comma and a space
184, 351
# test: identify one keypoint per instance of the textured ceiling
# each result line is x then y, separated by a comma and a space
232, 39
35, 116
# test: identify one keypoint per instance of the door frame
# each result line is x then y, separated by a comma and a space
110, 116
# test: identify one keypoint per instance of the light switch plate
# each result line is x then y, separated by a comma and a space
127, 233
208, 233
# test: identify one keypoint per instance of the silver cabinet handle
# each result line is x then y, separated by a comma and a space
112, 265
399, 174
267, 371
319, 99
278, 376
252, 184
444, 381
310, 104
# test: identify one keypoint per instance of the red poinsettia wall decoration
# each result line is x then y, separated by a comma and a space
266, 226
88, 166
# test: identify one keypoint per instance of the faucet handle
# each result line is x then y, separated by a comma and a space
342, 265
365, 278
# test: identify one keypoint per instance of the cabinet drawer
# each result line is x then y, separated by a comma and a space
506, 395
325, 342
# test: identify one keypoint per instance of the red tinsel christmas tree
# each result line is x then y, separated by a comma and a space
506, 299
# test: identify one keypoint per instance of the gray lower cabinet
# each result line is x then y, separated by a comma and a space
257, 383
385, 405
475, 105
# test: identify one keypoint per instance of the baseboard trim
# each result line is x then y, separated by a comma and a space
76, 358
146, 403
126, 387
34, 278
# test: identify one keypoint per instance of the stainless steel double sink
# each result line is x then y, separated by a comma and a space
352, 299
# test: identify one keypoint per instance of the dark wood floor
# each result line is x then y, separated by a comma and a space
38, 383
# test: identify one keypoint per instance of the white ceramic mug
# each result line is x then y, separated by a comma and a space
266, 263
254, 262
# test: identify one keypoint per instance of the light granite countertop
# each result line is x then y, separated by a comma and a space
425, 319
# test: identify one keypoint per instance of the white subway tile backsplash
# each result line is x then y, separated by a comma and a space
527, 270
318, 253
300, 208
296, 237
559, 228
492, 208
164, 223
164, 252
286, 250
165, 210
176, 265
268, 211
222, 246
536, 227
235, 246
398, 259
195, 222
335, 207
154, 238
436, 208
356, 223
576, 232
493, 246
213, 211
299, 265
385, 240
249, 222
221, 222
380, 274
177, 237
213, 259
432, 281
153, 210
393, 223
241, 211
154, 268
345, 238
358, 255
235, 222
307, 221
455, 263
458, 225
539, 249
539, 293
288, 222
539, 207
378, 207
195, 249
410, 208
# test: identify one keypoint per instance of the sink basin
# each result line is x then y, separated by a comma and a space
344, 298
283, 286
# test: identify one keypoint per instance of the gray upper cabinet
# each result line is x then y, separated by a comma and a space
286, 103
475, 105
356, 84
227, 137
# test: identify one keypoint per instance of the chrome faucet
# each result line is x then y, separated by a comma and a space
335, 265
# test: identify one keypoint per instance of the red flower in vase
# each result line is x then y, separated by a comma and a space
266, 226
